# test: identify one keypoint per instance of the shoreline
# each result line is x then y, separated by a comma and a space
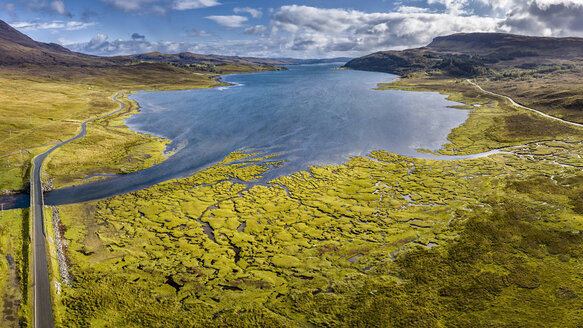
126, 100
442, 154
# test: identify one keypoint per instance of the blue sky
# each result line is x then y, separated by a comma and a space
301, 28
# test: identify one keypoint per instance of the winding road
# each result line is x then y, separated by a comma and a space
43, 312
524, 107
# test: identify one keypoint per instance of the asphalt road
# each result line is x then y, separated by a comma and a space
43, 311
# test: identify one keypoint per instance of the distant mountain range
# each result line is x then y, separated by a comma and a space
471, 54
186, 58
16, 48
314, 61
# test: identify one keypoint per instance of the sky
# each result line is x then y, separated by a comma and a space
275, 28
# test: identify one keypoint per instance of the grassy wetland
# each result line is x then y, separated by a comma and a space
382, 240
378, 241
14, 268
64, 98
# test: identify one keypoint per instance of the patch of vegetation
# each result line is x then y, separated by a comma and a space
461, 66
554, 89
14, 268
386, 240
493, 122
64, 97
109, 147
233, 68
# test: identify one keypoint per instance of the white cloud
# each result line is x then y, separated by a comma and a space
544, 17
160, 6
455, 7
97, 42
257, 29
59, 6
544, 4
232, 21
255, 13
47, 6
64, 42
412, 10
100, 45
61, 25
196, 34
304, 31
130, 5
338, 30
193, 4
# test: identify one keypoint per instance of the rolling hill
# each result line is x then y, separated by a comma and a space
473, 54
186, 58
16, 49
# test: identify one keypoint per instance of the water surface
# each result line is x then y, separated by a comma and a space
311, 115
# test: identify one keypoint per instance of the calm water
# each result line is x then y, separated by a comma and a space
311, 115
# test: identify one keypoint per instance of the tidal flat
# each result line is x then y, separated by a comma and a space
381, 240
63, 99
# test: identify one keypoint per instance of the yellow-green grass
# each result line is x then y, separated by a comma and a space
387, 240
243, 68
108, 147
45, 105
338, 246
556, 90
42, 106
15, 169
14, 266
37, 112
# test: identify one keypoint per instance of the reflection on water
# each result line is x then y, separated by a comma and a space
311, 115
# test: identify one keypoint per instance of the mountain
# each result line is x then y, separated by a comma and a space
500, 44
17, 48
314, 61
472, 54
186, 58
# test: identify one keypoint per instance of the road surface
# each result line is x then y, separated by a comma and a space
43, 311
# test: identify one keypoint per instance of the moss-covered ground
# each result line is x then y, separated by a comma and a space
108, 147
379, 241
14, 268
43, 105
